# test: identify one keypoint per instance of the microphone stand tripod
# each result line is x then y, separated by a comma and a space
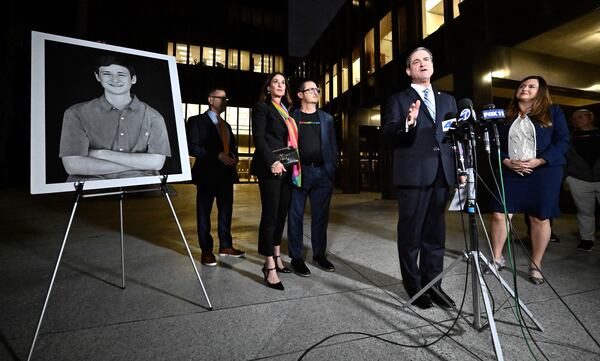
473, 255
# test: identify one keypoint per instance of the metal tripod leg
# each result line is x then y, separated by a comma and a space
488, 308
79, 187
508, 289
166, 193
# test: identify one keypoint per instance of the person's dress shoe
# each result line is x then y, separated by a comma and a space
275, 286
231, 252
299, 268
208, 259
585, 245
535, 276
423, 301
324, 263
439, 300
281, 270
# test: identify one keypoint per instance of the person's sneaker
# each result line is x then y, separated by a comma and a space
208, 259
554, 238
585, 245
232, 252
299, 268
324, 263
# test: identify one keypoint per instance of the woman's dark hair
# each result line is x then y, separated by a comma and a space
110, 59
265, 95
540, 110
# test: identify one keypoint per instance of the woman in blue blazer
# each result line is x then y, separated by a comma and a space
533, 145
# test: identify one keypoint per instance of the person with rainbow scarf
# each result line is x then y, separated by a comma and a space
273, 129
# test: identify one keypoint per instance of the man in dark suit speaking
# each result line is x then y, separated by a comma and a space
212, 143
423, 173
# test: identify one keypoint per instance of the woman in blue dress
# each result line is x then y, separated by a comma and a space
533, 144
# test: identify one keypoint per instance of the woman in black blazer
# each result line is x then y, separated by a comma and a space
270, 132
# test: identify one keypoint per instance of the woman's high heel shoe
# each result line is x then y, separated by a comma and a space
281, 270
533, 278
276, 286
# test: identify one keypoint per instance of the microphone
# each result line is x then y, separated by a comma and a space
449, 122
490, 113
466, 111
489, 116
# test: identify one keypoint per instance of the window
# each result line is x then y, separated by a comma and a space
220, 58
170, 50
268, 63
192, 109
356, 66
344, 74
194, 55
370, 52
244, 60
203, 108
385, 40
455, 9
433, 16
257, 63
231, 116
334, 81
326, 88
208, 56
181, 53
232, 62
278, 63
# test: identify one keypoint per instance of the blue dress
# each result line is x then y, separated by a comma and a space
537, 193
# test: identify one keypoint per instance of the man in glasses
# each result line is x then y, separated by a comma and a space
212, 143
116, 135
318, 153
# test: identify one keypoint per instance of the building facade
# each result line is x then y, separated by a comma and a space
482, 49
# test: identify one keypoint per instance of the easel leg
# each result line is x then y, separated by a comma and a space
122, 243
187, 247
79, 189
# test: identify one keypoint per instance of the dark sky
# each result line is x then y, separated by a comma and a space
307, 20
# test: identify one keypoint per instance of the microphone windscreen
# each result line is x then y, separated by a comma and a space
465, 103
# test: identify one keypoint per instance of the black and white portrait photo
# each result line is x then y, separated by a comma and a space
103, 115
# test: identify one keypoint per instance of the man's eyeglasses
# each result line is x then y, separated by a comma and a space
312, 90
222, 98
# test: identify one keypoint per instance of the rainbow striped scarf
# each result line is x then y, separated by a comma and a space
292, 140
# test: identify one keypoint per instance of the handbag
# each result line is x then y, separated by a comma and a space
287, 156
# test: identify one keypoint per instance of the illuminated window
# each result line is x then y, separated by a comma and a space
208, 56
433, 16
203, 108
370, 52
455, 7
326, 88
232, 62
385, 40
344, 74
244, 60
257, 63
231, 115
278, 63
194, 54
181, 54
356, 66
220, 58
192, 109
334, 81
170, 50
244, 121
268, 63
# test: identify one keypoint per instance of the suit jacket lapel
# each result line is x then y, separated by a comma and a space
423, 108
